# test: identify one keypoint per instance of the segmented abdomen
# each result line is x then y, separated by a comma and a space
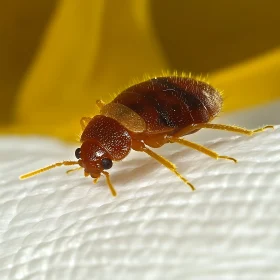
171, 103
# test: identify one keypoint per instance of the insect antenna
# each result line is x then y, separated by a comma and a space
33, 173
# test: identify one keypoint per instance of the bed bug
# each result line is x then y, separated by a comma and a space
152, 113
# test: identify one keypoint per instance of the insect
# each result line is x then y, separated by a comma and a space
152, 113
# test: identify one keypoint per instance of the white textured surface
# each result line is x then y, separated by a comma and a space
58, 226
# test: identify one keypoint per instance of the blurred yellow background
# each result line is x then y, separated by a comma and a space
58, 57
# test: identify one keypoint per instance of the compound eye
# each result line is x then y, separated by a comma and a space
106, 163
78, 153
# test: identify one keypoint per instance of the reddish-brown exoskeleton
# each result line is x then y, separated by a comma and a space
152, 113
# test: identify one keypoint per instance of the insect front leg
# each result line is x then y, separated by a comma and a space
84, 122
100, 103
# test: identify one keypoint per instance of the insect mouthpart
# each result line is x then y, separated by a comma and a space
95, 175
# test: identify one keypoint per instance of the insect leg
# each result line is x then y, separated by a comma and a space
167, 164
100, 103
232, 128
84, 122
225, 127
112, 189
199, 148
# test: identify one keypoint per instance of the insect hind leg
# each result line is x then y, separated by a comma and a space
233, 128
225, 127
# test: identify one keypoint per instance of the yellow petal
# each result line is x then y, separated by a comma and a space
91, 49
250, 83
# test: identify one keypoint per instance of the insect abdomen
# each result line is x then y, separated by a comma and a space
171, 103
